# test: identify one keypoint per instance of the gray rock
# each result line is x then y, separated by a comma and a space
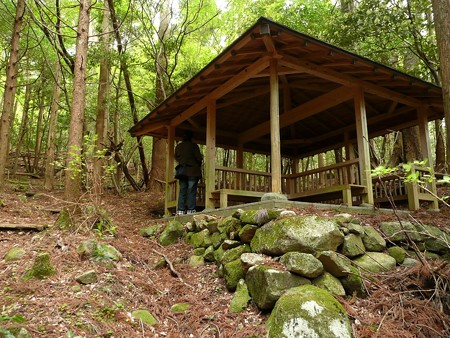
232, 273
106, 251
249, 259
171, 233
247, 232
241, 298
302, 264
266, 284
375, 262
89, 277
150, 231
259, 217
334, 263
273, 196
372, 240
353, 246
301, 233
14, 254
329, 283
230, 244
308, 311
398, 232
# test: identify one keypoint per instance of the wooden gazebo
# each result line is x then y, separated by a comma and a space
279, 92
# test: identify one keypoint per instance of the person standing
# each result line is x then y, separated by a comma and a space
188, 153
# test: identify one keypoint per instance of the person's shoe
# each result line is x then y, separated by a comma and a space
193, 211
180, 212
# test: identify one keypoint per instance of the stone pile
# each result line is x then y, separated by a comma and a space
294, 265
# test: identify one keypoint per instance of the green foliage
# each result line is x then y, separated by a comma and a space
14, 318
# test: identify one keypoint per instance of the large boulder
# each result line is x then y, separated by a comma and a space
300, 233
310, 312
400, 231
266, 284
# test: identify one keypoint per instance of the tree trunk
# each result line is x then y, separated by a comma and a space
439, 164
51, 140
441, 11
126, 76
39, 129
23, 126
159, 150
101, 125
72, 189
10, 89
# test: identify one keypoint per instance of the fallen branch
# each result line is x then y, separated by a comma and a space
37, 227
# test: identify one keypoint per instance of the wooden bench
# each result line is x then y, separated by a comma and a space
225, 195
344, 191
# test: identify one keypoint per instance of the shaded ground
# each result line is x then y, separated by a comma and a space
405, 303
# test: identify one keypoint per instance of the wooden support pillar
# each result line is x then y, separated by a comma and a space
170, 166
363, 144
425, 147
240, 165
350, 155
275, 127
424, 136
210, 158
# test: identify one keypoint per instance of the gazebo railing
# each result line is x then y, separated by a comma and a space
315, 179
241, 179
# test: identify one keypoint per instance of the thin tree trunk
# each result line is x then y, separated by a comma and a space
10, 89
441, 11
23, 126
159, 149
39, 130
72, 189
101, 125
51, 140
126, 76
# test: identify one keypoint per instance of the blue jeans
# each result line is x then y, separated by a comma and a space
188, 192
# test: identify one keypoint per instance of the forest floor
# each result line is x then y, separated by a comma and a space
408, 302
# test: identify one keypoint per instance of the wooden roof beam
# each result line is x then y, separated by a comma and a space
346, 80
301, 112
228, 86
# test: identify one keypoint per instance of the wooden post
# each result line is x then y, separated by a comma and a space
169, 166
363, 144
210, 158
275, 127
424, 135
240, 164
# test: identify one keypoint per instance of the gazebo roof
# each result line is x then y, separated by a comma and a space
317, 83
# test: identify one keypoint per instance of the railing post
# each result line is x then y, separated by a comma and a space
210, 158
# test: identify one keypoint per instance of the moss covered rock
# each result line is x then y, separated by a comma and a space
232, 273
145, 317
300, 233
308, 311
241, 298
14, 254
42, 267
172, 233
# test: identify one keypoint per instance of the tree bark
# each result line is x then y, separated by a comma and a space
10, 89
441, 11
39, 128
51, 140
23, 126
126, 77
101, 125
72, 189
159, 150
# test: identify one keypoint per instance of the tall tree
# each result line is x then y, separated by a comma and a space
10, 89
72, 188
101, 125
51, 139
441, 10
126, 75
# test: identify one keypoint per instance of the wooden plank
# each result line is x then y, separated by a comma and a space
10, 226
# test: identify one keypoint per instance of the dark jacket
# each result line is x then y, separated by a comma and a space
188, 153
